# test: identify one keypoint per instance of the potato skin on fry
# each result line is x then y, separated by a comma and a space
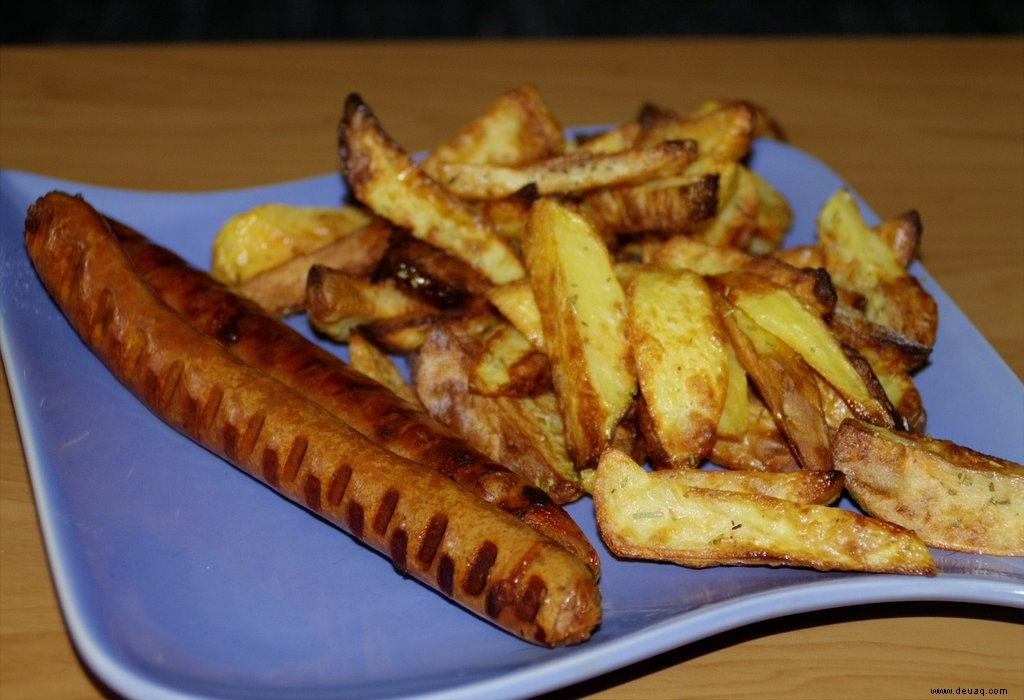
643, 515
583, 315
952, 496
387, 180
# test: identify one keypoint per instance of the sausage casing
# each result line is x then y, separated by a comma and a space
430, 527
371, 409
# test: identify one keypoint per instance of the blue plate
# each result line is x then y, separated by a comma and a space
182, 577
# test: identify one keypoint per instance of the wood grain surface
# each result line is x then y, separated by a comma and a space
933, 124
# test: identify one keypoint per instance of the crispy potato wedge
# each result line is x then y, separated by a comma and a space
765, 125
517, 304
812, 286
735, 222
682, 364
573, 172
384, 177
774, 217
509, 365
337, 302
886, 349
951, 496
724, 134
429, 273
366, 357
621, 137
788, 385
516, 128
761, 446
859, 260
269, 234
736, 407
525, 434
822, 488
281, 290
902, 235
509, 215
665, 206
780, 313
642, 516
583, 315
906, 400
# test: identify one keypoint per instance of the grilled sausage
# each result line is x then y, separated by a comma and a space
373, 410
430, 527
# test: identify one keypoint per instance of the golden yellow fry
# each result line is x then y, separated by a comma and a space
369, 359
679, 348
787, 384
517, 304
860, 260
952, 496
385, 178
780, 313
337, 302
574, 172
269, 234
761, 446
583, 315
642, 516
822, 488
523, 433
281, 290
662, 206
509, 365
516, 128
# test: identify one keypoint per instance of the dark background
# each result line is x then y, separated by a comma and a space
63, 21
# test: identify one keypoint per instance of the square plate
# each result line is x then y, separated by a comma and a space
180, 577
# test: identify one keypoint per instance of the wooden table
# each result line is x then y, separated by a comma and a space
932, 124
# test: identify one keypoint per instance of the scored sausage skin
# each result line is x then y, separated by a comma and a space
371, 409
430, 527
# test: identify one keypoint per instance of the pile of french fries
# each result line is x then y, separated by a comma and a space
616, 315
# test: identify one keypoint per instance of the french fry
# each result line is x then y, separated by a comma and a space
812, 286
774, 217
906, 400
735, 223
902, 235
367, 358
523, 433
642, 516
952, 496
780, 313
337, 302
722, 135
663, 206
583, 316
269, 234
429, 273
765, 125
516, 128
860, 260
787, 384
886, 349
679, 348
517, 304
281, 290
761, 446
509, 365
822, 488
734, 419
573, 172
385, 178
